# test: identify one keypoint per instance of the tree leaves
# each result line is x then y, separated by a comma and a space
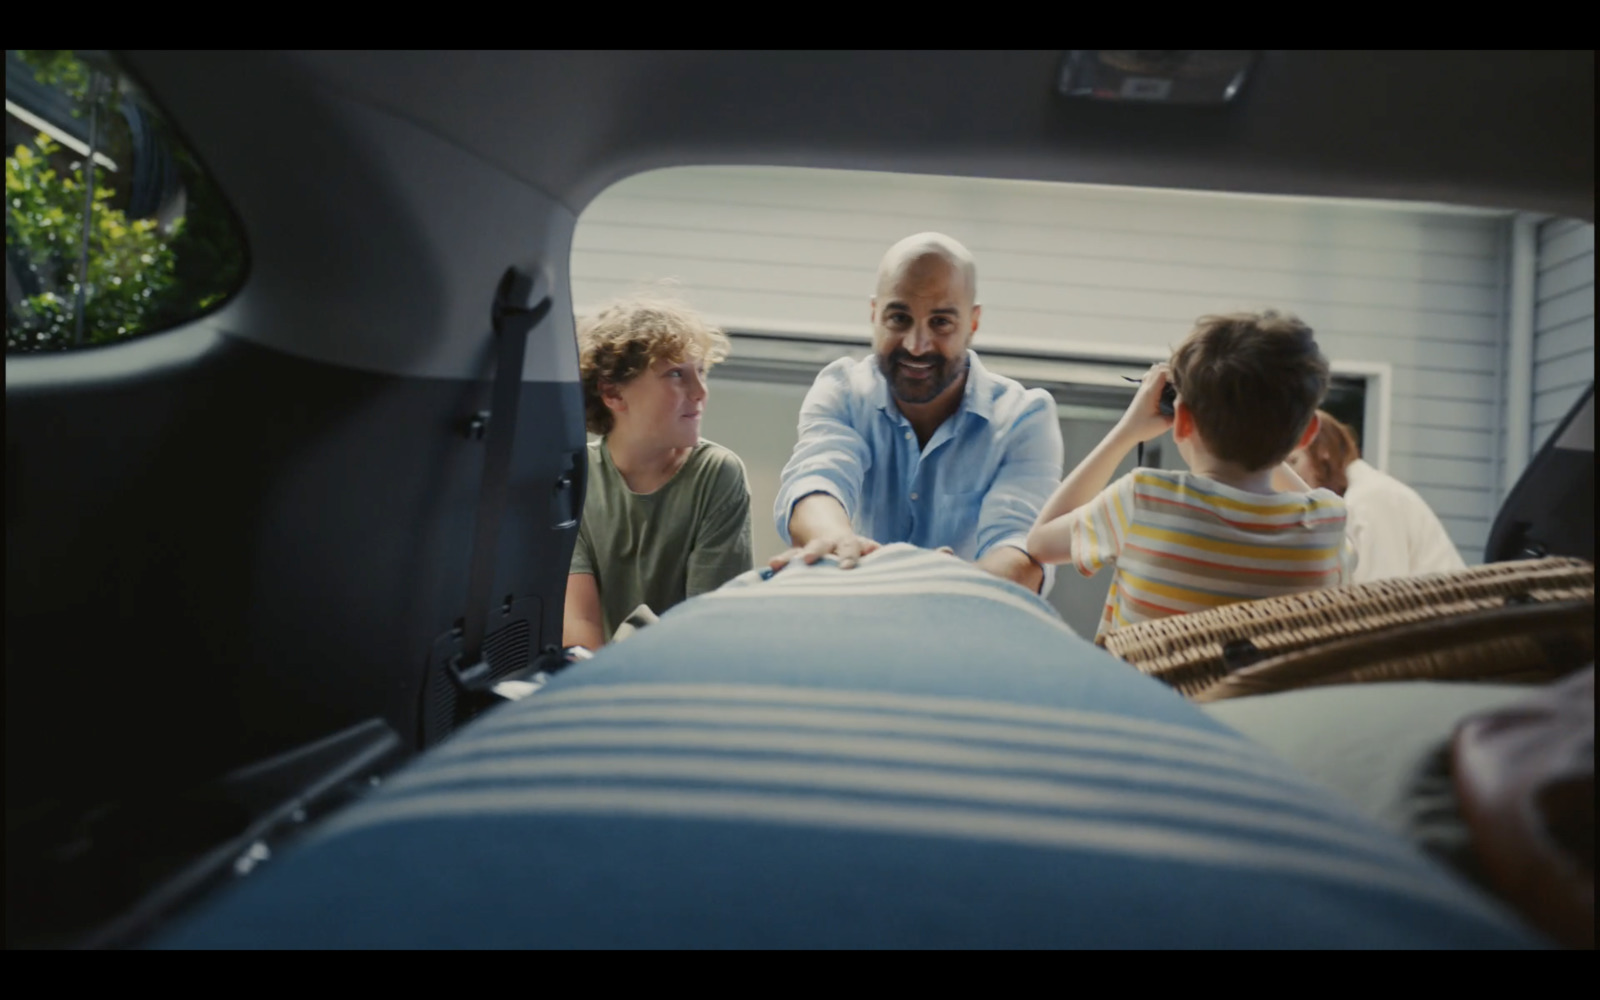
143, 274
131, 262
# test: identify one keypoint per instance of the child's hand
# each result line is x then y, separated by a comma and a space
1144, 420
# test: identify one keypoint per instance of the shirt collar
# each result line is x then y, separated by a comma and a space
977, 396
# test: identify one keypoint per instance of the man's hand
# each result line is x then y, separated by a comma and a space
1008, 563
819, 525
848, 547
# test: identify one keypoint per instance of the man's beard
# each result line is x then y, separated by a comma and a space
941, 373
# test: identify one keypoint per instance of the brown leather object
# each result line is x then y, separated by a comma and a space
1524, 777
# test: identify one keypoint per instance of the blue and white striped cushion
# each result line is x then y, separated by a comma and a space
910, 753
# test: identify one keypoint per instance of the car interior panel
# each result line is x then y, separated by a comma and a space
266, 564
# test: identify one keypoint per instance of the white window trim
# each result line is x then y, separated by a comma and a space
66, 139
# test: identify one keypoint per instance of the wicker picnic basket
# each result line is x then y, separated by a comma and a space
1523, 621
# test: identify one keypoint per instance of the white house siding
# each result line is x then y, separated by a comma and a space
1563, 324
1068, 267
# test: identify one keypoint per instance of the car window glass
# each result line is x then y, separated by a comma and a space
113, 230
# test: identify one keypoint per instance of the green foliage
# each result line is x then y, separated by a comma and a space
141, 276
59, 68
131, 262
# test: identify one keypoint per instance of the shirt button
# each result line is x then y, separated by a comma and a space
913, 496
908, 435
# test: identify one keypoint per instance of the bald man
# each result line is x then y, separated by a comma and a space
920, 443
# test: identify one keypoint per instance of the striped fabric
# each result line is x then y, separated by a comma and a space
1182, 542
911, 753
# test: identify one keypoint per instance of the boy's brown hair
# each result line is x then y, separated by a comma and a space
1332, 451
623, 339
1252, 381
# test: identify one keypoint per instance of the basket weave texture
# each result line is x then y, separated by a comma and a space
1382, 628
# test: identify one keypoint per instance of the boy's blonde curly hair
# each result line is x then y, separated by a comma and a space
620, 341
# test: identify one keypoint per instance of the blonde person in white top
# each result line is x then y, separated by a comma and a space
1393, 530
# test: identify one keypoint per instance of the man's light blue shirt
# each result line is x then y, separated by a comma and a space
983, 478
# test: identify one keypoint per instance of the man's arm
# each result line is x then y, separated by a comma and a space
1011, 563
581, 621
1029, 470
822, 481
819, 525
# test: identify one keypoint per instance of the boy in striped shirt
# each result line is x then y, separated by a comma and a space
1240, 524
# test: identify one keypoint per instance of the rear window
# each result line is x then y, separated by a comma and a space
113, 230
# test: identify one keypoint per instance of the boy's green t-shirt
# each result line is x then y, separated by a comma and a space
690, 536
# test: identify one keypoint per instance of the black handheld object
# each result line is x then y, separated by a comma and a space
1169, 395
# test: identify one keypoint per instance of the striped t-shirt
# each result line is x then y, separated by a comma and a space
1183, 543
